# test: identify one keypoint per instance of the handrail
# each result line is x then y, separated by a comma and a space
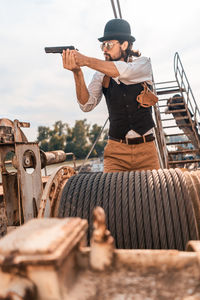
159, 133
184, 85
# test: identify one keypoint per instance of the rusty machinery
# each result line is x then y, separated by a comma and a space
156, 209
46, 259
22, 183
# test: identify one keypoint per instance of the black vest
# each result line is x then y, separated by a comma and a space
124, 110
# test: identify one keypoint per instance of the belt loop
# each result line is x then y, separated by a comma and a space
144, 139
126, 140
121, 141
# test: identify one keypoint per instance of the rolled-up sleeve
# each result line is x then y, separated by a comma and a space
95, 93
139, 70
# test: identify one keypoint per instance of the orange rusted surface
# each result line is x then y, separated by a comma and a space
53, 190
47, 258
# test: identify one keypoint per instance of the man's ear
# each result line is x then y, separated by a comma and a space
124, 46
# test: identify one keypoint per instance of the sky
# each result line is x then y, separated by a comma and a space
35, 88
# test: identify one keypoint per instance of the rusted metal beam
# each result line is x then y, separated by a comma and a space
29, 179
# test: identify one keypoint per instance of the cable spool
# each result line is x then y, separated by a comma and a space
193, 184
144, 210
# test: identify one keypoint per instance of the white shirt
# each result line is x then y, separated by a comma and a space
139, 70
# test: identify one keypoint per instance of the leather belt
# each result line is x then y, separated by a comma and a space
134, 141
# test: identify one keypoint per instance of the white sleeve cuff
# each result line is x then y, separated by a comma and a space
90, 105
95, 93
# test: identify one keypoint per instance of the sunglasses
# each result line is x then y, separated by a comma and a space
108, 45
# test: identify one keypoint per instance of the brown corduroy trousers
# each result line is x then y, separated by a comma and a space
122, 157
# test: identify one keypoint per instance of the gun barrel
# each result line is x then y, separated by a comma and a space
58, 49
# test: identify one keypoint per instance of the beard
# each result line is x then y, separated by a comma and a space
108, 57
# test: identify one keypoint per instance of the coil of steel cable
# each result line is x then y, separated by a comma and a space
144, 210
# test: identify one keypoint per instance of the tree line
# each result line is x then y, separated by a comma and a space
77, 139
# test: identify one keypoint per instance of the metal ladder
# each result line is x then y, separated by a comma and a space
177, 121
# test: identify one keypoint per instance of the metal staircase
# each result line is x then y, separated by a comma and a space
177, 117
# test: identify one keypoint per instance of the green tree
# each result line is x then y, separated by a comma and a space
43, 133
53, 139
77, 139
56, 142
43, 137
58, 134
44, 145
59, 128
93, 134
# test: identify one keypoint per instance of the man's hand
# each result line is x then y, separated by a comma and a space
69, 61
73, 60
81, 60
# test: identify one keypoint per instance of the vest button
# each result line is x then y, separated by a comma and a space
127, 105
124, 95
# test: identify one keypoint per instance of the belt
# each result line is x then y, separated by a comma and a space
134, 141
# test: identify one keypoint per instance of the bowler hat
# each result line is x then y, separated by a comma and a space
117, 29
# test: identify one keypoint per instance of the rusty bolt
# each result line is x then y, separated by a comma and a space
102, 243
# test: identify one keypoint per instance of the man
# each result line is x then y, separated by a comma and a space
131, 142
